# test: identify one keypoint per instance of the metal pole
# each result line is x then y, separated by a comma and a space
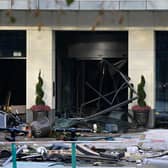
102, 96
16, 152
13, 146
73, 155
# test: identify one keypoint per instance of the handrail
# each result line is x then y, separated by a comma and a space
83, 142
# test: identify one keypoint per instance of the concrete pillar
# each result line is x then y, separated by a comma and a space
40, 56
142, 62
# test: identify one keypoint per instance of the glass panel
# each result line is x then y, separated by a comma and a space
12, 81
162, 71
12, 43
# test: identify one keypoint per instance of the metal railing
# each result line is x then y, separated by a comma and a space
22, 146
85, 4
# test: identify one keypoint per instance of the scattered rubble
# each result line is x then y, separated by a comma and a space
129, 149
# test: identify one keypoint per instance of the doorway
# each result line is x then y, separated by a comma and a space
162, 75
85, 79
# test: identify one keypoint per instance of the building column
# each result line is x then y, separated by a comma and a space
40, 56
142, 62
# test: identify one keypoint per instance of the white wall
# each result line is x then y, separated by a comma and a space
40, 56
142, 61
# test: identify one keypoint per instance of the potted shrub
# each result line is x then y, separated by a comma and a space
40, 106
141, 110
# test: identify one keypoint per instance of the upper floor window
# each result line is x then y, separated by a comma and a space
12, 43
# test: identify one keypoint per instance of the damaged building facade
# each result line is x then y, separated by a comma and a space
77, 49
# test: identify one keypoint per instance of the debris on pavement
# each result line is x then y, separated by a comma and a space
144, 149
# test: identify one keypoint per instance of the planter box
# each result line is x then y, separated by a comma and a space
30, 116
141, 118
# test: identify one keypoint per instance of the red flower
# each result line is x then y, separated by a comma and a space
36, 108
141, 108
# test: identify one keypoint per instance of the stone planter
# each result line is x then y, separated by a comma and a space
30, 116
141, 118
41, 128
39, 115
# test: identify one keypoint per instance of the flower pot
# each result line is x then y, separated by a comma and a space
141, 117
40, 111
41, 128
39, 115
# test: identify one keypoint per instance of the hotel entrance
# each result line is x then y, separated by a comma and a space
86, 79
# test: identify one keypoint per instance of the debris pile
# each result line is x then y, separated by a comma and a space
124, 150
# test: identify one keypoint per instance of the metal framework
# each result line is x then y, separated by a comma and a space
114, 69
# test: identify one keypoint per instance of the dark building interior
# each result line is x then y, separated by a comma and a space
12, 67
86, 81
